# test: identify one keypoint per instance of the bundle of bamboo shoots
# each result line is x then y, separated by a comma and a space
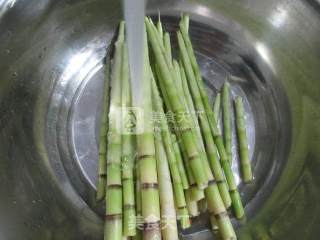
179, 165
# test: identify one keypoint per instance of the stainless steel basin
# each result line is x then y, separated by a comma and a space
51, 75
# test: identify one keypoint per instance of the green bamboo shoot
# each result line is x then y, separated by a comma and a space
234, 194
214, 224
138, 235
243, 141
159, 27
170, 153
192, 206
168, 212
183, 216
196, 193
167, 45
181, 168
102, 179
203, 206
216, 107
211, 150
178, 108
129, 213
169, 147
216, 205
147, 161
113, 224
227, 119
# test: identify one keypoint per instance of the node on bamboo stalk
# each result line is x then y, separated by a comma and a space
217, 209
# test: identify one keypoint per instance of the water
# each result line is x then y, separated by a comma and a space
134, 12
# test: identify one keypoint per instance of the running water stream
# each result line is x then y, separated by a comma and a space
134, 11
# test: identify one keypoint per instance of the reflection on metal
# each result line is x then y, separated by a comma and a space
5, 5
278, 17
264, 53
202, 10
76, 65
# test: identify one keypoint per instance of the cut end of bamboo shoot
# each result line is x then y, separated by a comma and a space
237, 205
